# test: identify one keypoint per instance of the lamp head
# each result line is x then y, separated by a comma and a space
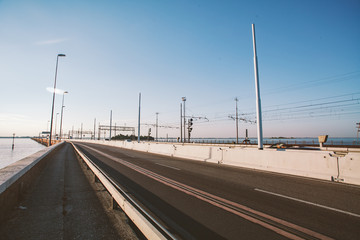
61, 55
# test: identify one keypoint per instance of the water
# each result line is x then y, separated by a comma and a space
23, 148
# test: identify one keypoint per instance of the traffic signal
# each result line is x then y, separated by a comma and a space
190, 125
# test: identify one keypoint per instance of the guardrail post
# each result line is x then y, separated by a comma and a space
96, 179
114, 204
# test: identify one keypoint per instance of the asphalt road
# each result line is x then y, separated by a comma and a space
198, 200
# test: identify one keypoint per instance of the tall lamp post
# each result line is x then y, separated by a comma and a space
56, 123
52, 109
62, 109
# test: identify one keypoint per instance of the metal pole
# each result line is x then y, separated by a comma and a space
188, 132
56, 123
52, 109
181, 131
237, 122
62, 108
110, 123
81, 131
13, 143
184, 100
94, 127
139, 118
184, 122
157, 115
99, 132
257, 89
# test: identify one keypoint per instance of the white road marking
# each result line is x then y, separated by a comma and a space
310, 203
168, 166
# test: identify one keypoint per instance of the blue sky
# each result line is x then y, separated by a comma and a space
308, 54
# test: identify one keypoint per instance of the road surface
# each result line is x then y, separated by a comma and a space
199, 200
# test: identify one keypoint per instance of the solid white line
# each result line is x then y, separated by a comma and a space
310, 203
168, 166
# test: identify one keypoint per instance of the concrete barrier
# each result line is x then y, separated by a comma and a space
320, 164
349, 168
16, 178
196, 152
314, 164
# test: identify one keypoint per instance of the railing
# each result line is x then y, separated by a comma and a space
151, 228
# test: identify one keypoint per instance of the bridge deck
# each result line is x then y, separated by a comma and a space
62, 204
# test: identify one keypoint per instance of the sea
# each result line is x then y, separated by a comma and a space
23, 147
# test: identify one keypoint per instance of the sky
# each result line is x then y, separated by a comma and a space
308, 60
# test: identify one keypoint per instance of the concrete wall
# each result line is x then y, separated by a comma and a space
16, 178
320, 164
349, 167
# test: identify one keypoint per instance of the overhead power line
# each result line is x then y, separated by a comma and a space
317, 82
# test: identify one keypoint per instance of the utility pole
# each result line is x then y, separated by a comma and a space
157, 116
99, 132
115, 130
181, 131
81, 131
139, 118
237, 121
258, 101
110, 123
184, 100
149, 133
94, 127
357, 133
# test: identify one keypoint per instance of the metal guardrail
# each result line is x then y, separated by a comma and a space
151, 228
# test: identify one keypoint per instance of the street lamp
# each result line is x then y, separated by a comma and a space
62, 108
56, 123
52, 109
